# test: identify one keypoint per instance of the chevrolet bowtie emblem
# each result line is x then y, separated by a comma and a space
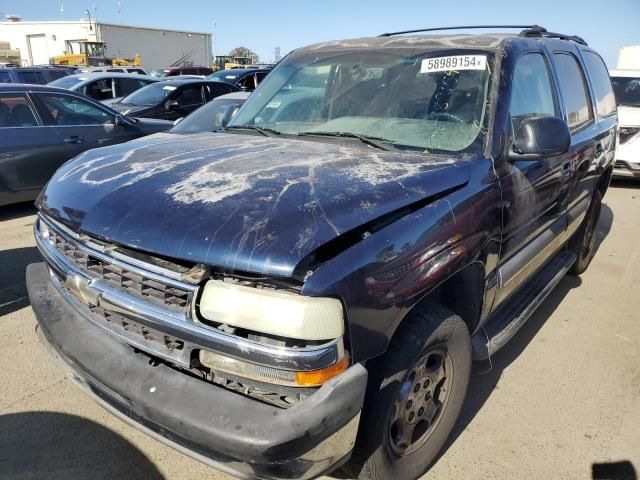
81, 289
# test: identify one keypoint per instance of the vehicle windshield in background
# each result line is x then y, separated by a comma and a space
207, 118
148, 96
403, 98
223, 76
158, 73
66, 82
627, 91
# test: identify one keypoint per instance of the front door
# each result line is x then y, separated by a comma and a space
82, 125
535, 192
29, 151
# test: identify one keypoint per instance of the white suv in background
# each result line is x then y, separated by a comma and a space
626, 86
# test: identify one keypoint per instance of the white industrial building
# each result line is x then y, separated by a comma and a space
40, 41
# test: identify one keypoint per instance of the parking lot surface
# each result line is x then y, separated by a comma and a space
562, 400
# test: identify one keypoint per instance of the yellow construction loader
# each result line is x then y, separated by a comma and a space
92, 54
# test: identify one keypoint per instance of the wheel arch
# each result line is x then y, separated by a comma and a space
462, 293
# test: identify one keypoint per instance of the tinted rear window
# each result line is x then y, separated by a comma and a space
574, 91
605, 100
5, 77
29, 77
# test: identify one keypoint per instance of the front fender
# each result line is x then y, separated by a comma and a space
382, 277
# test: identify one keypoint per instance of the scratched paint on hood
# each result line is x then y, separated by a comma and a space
239, 201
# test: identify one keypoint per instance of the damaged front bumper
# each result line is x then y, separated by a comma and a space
233, 433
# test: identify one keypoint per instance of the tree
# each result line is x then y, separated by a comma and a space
245, 52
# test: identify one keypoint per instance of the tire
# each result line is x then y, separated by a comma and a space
583, 241
429, 334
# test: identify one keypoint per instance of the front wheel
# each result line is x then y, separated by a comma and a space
415, 395
583, 241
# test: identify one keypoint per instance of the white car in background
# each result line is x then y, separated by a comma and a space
626, 86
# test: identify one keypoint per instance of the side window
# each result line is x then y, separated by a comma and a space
218, 89
100, 89
16, 111
531, 89
574, 90
5, 77
27, 77
605, 100
248, 82
125, 86
260, 76
65, 110
190, 96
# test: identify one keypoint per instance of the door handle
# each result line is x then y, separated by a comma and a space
74, 139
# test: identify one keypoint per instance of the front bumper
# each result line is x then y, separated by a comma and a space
233, 433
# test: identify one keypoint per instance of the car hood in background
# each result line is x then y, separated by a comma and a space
128, 109
237, 201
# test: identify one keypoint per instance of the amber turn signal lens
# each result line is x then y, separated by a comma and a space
315, 378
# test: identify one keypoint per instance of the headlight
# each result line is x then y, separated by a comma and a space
280, 313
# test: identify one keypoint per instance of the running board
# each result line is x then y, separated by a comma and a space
510, 317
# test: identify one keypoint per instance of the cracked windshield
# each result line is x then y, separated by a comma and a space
399, 99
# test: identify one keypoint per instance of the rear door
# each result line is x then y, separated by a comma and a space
82, 124
535, 191
579, 115
29, 151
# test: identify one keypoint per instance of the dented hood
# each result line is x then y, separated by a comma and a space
238, 201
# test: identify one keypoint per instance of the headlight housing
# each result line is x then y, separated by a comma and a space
274, 312
278, 313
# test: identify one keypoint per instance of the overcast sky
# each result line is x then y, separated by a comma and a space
264, 25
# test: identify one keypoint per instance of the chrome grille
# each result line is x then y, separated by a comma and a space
128, 280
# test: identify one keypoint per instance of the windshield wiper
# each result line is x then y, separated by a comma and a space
266, 131
366, 139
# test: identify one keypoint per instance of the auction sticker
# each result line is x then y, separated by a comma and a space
454, 62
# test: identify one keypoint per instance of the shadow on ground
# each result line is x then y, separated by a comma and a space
486, 375
13, 289
11, 212
623, 470
50, 445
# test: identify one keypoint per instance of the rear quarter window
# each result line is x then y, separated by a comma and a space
599, 75
573, 86
27, 77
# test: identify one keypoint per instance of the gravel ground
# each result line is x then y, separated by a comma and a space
562, 400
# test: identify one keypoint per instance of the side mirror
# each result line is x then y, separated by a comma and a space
228, 114
540, 137
173, 105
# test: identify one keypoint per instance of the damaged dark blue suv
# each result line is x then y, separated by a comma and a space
312, 284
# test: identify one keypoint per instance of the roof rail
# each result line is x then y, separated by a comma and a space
537, 31
466, 27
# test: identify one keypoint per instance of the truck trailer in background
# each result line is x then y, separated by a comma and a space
629, 58
39, 42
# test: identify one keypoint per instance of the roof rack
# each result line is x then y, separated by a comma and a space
528, 31
465, 27
538, 31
